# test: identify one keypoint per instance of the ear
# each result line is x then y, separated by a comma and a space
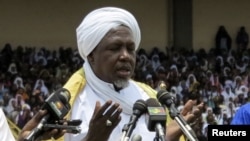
91, 58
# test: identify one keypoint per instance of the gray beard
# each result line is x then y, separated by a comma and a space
121, 83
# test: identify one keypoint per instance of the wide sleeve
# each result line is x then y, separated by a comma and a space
242, 116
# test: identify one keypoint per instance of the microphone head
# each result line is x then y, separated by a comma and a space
136, 137
57, 104
152, 102
165, 97
156, 114
64, 95
139, 107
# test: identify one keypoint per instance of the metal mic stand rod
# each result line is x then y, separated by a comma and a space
124, 131
179, 119
160, 133
35, 132
185, 130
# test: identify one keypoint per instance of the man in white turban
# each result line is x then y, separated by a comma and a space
107, 40
98, 23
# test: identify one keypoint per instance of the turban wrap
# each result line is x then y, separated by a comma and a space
98, 22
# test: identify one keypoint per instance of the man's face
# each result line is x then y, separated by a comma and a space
191, 79
113, 60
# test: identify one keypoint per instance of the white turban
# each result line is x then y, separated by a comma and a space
98, 22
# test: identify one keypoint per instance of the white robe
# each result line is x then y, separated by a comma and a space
83, 109
5, 132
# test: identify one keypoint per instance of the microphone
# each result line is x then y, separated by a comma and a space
167, 99
156, 118
136, 137
57, 106
139, 108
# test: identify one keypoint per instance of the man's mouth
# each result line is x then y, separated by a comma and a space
124, 72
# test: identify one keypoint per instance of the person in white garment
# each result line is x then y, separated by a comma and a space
102, 91
6, 134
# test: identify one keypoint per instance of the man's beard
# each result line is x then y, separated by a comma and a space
121, 83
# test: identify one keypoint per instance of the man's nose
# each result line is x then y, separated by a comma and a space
124, 54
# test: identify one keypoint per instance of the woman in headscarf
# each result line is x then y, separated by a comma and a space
173, 76
191, 82
41, 88
155, 61
226, 71
237, 83
209, 117
18, 83
24, 116
12, 69
228, 94
12, 109
244, 89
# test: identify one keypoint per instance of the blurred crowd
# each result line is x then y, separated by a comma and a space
219, 77
28, 75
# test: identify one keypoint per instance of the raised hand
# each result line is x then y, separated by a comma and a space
104, 119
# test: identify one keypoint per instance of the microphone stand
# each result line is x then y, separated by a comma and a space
127, 131
124, 131
74, 129
179, 119
33, 134
160, 136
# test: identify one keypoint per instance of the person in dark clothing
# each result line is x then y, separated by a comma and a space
242, 39
223, 40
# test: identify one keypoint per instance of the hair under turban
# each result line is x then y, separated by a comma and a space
98, 22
